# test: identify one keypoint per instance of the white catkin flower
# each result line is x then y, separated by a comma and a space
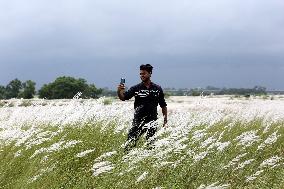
84, 153
198, 135
200, 156
221, 146
102, 167
214, 186
235, 160
71, 144
207, 142
271, 162
254, 176
243, 164
269, 141
18, 153
56, 147
142, 177
247, 138
105, 155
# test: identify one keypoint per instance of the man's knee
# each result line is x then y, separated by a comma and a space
152, 128
151, 132
134, 131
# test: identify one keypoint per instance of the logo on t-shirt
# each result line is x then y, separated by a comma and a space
145, 92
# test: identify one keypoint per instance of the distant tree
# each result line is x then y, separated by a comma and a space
212, 88
257, 90
28, 91
167, 94
13, 88
68, 87
92, 91
45, 91
2, 92
260, 90
108, 92
195, 92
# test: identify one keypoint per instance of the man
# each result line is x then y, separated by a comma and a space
148, 96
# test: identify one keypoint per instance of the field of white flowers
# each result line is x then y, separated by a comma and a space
213, 142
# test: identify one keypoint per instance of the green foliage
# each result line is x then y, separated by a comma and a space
13, 89
257, 90
2, 92
108, 92
26, 103
68, 87
28, 90
2, 104
11, 104
167, 95
107, 101
92, 91
195, 92
265, 97
17, 89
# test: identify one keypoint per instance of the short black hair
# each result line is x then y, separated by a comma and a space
147, 67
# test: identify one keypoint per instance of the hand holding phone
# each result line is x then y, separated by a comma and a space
121, 86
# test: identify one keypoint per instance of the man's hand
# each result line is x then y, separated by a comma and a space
165, 122
120, 87
165, 114
120, 91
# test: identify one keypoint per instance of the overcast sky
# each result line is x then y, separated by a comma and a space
190, 43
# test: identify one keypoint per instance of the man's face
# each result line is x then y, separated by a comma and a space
144, 75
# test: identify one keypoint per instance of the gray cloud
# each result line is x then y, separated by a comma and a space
196, 43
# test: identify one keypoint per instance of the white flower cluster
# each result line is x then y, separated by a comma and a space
247, 138
102, 167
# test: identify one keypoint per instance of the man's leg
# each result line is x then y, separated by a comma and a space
134, 134
151, 130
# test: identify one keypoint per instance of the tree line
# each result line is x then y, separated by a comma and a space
62, 88
67, 87
257, 90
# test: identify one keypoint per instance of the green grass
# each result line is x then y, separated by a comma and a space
108, 101
26, 103
70, 171
2, 103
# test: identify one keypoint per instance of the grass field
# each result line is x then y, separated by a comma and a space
217, 142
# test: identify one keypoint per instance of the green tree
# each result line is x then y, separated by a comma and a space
28, 91
195, 92
45, 91
68, 87
92, 92
2, 92
13, 89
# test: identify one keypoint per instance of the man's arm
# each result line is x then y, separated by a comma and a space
163, 105
165, 114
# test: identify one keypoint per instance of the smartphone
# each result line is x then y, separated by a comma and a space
122, 81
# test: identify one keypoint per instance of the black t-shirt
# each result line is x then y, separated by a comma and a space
146, 100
